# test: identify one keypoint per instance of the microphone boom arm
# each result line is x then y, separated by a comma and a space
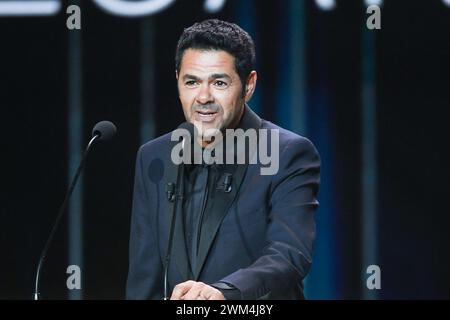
62, 209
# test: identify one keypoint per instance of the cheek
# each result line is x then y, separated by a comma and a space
187, 98
229, 104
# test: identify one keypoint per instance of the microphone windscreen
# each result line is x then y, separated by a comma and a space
189, 127
105, 130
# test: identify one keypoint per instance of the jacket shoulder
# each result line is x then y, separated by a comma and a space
287, 137
156, 144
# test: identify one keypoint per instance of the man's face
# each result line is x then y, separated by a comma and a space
210, 89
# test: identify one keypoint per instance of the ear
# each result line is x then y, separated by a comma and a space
176, 74
250, 85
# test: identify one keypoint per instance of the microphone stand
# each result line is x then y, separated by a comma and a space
58, 218
179, 190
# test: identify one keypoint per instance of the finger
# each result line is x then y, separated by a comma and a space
217, 296
211, 293
194, 291
181, 289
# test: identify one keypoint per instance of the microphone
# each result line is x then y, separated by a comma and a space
104, 130
226, 185
175, 192
170, 191
189, 127
188, 149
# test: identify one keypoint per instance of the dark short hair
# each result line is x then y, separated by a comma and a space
214, 34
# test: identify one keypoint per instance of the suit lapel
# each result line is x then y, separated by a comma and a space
217, 209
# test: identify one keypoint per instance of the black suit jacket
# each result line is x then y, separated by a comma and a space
259, 237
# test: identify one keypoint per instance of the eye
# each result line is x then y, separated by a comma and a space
220, 84
190, 83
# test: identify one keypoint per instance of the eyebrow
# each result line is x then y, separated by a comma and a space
211, 77
219, 76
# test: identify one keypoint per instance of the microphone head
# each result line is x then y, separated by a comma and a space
189, 127
105, 130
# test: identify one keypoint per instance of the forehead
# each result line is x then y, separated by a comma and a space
207, 61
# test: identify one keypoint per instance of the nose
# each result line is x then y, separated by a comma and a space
204, 95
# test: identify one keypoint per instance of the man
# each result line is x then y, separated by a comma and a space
250, 239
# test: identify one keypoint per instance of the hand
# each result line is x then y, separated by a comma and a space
191, 290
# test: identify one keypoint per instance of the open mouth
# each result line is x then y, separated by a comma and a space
205, 116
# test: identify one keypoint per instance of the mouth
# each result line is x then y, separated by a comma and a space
205, 115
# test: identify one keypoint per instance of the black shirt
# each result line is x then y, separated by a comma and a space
202, 183
196, 190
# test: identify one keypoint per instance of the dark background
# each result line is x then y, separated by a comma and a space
411, 93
